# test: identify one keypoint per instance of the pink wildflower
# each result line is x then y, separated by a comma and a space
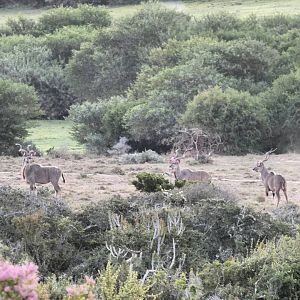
21, 279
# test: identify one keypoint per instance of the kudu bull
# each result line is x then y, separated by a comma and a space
34, 173
272, 182
187, 174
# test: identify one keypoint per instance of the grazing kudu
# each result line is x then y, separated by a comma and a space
187, 174
272, 182
34, 173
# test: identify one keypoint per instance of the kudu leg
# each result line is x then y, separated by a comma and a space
33, 189
285, 194
278, 197
56, 188
267, 192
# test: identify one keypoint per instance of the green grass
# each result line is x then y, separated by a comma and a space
47, 134
32, 13
240, 8
123, 11
243, 8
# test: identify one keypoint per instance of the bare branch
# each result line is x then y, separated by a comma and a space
174, 255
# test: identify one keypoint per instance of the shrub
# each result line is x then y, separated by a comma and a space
141, 158
67, 39
21, 25
216, 22
238, 118
112, 286
109, 66
18, 282
99, 125
147, 182
83, 15
33, 65
19, 103
248, 59
43, 227
282, 103
201, 220
271, 271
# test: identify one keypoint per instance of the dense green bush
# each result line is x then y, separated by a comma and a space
270, 271
237, 117
151, 126
67, 39
19, 102
247, 59
109, 65
21, 25
282, 101
141, 157
99, 125
150, 183
83, 15
33, 65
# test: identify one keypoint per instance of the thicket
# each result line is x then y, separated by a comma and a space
167, 238
215, 53
238, 118
143, 72
19, 103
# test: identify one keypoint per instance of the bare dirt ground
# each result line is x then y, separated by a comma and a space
94, 179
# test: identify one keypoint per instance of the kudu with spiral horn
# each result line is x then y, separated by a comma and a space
187, 174
272, 182
35, 173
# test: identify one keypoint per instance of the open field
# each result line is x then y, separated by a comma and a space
241, 8
55, 133
32, 13
97, 178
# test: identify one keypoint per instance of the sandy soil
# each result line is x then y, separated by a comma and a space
94, 179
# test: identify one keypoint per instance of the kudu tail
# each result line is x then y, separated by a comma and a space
284, 189
62, 175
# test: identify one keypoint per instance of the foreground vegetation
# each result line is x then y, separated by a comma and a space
177, 244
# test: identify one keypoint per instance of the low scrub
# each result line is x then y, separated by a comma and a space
270, 272
158, 239
147, 182
141, 157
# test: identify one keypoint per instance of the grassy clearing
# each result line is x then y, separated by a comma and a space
243, 8
47, 134
123, 11
32, 13
240, 8
95, 178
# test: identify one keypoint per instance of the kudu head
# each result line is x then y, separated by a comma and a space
175, 160
260, 164
27, 154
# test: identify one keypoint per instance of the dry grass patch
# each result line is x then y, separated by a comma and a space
93, 179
